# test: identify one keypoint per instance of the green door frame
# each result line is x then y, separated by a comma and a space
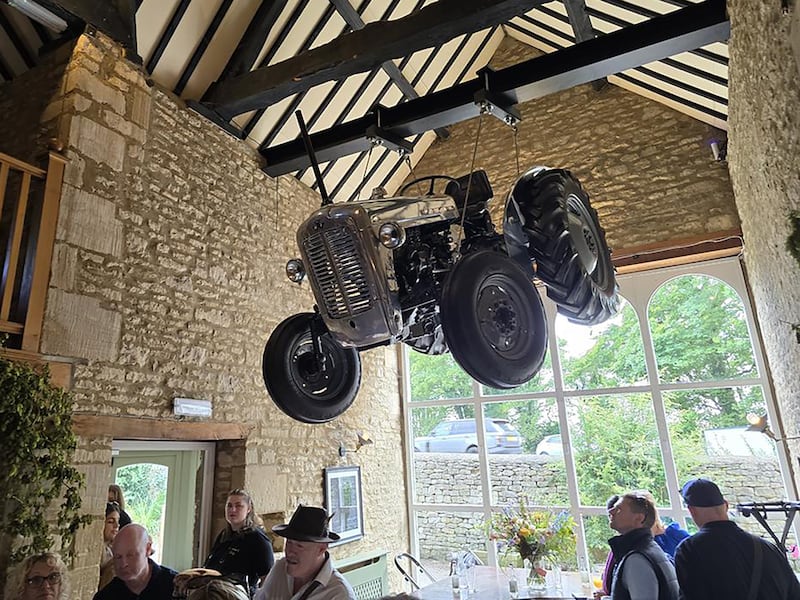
182, 459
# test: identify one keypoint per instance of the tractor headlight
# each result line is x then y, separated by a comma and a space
391, 235
295, 270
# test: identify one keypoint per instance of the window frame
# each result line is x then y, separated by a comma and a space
638, 289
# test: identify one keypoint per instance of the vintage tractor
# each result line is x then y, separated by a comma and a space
430, 270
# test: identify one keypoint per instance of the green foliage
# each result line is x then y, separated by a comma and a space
145, 487
437, 377
36, 454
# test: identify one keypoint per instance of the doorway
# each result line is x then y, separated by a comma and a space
168, 489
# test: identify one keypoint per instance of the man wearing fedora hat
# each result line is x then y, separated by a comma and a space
305, 572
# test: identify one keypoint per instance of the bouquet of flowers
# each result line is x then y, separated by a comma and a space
536, 535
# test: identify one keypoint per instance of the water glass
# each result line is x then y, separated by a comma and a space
471, 579
513, 584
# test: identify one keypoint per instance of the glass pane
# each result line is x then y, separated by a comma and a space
709, 440
436, 377
542, 382
699, 331
145, 486
597, 532
602, 356
535, 468
441, 533
446, 467
616, 449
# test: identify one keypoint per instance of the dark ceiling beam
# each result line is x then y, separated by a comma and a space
360, 51
582, 28
255, 36
579, 19
202, 46
352, 18
658, 38
115, 18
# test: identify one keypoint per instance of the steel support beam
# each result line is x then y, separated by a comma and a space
655, 39
359, 51
354, 20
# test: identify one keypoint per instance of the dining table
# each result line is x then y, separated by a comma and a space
491, 583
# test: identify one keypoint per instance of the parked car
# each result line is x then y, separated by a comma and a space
550, 445
461, 436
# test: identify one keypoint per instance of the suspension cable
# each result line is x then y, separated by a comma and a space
484, 109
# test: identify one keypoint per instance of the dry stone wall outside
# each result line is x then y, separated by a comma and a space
442, 479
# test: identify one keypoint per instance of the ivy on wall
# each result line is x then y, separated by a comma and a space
36, 458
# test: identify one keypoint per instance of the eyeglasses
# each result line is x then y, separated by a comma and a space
38, 581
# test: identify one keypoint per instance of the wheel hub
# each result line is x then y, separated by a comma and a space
497, 315
309, 371
584, 237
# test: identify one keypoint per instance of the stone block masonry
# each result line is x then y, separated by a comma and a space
168, 277
647, 168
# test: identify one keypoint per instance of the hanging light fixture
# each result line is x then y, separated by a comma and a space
39, 14
761, 425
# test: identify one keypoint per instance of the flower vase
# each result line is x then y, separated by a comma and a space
536, 572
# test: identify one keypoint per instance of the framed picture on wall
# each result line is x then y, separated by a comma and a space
343, 501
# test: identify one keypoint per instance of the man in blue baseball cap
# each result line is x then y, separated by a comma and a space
723, 561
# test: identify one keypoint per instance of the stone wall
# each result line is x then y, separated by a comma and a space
440, 477
647, 168
167, 279
765, 170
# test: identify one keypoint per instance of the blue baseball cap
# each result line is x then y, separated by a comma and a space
702, 492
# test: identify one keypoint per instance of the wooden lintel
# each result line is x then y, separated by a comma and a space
60, 370
361, 51
132, 428
678, 252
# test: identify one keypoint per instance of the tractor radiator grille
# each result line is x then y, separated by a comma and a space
338, 270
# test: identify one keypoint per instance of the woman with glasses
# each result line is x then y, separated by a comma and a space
40, 577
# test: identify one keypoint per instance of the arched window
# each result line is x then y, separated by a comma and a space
652, 397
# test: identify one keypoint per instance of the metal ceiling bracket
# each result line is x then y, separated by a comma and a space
501, 106
657, 38
380, 137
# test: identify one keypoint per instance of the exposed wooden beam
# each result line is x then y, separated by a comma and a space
682, 251
360, 51
352, 18
244, 57
131, 428
679, 31
115, 18
582, 28
579, 19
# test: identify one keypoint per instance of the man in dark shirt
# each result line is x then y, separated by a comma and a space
718, 561
137, 577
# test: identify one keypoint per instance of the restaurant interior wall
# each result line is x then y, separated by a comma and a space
167, 278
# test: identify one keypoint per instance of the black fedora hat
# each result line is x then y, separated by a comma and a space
308, 524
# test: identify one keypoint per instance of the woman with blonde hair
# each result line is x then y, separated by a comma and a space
666, 536
242, 551
39, 577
